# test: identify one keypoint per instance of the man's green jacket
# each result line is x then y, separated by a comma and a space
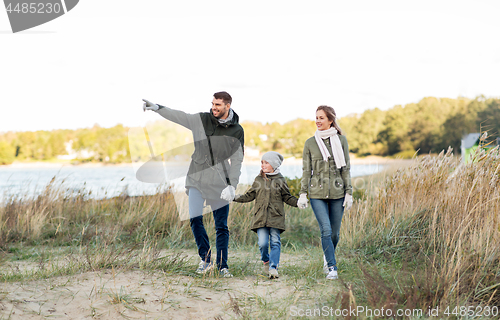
218, 150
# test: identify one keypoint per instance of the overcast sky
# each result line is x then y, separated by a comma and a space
278, 59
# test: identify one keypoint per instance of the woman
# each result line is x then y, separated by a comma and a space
326, 177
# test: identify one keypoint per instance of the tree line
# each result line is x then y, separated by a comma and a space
429, 126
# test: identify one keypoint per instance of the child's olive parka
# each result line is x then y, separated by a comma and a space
269, 195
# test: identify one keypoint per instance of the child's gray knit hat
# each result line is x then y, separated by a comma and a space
273, 158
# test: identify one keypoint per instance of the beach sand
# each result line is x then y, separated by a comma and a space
137, 294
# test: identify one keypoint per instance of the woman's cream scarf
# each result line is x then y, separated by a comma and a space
338, 153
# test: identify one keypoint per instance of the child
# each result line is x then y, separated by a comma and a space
269, 191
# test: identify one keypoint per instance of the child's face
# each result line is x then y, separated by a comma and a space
266, 167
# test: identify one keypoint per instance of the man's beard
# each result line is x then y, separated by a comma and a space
220, 115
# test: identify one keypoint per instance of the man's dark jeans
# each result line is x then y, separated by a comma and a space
196, 202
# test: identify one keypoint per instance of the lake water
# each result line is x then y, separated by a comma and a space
110, 181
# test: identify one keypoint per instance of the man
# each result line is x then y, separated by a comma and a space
213, 172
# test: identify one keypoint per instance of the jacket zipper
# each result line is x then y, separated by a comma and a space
269, 202
222, 162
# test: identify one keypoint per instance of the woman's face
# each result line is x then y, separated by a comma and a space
266, 167
322, 122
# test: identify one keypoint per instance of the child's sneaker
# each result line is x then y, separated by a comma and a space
332, 274
326, 270
273, 273
266, 267
203, 267
225, 273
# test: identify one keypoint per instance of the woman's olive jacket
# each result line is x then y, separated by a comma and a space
269, 195
322, 179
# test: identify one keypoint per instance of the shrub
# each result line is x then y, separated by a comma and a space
7, 153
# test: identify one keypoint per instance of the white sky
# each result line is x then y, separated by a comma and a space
278, 59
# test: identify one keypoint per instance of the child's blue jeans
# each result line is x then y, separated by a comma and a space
270, 236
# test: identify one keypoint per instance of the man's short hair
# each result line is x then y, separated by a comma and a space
224, 96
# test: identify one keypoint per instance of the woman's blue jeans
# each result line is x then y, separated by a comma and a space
329, 214
265, 234
196, 202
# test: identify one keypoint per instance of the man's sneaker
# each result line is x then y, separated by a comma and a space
203, 267
326, 270
225, 273
332, 274
266, 267
273, 273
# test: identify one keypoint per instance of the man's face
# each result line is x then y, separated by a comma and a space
220, 109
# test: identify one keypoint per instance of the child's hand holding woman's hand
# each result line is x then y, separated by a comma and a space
302, 203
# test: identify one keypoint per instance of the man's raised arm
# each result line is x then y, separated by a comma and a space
187, 120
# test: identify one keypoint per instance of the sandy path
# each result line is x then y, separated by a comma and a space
140, 295
95, 295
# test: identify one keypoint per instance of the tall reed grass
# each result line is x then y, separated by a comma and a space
439, 218
60, 216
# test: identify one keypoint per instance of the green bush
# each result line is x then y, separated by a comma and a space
293, 185
7, 153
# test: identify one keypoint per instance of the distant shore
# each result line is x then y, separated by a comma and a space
253, 161
61, 164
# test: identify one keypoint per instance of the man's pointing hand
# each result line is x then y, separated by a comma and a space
149, 106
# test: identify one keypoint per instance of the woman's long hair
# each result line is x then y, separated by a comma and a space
331, 115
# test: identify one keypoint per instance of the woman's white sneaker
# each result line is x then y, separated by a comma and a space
332, 274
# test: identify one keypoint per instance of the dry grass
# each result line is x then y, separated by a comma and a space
61, 216
423, 235
442, 217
